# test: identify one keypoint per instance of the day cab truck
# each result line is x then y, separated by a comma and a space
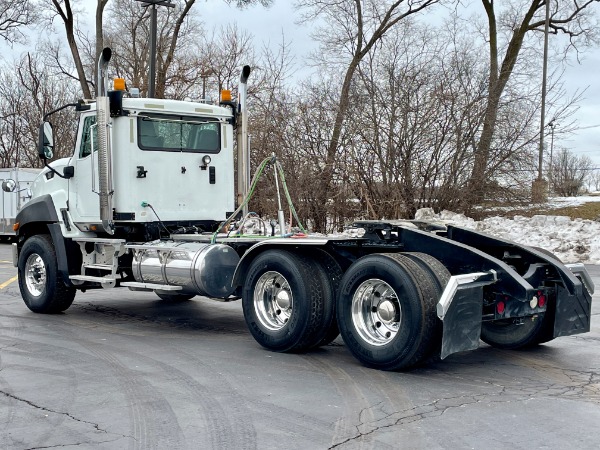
146, 202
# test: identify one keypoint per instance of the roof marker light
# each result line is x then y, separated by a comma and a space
119, 84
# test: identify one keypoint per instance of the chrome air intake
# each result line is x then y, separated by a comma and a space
199, 268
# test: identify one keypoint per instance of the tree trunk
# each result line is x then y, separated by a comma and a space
67, 17
496, 85
99, 37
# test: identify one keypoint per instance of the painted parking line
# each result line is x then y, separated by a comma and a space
7, 282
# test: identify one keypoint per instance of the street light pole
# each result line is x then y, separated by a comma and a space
152, 39
552, 125
204, 74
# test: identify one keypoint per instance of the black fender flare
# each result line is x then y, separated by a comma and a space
41, 211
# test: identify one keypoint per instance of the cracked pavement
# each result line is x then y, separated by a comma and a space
124, 370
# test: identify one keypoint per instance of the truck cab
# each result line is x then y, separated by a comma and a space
171, 162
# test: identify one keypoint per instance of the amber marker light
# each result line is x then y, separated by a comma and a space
119, 84
225, 95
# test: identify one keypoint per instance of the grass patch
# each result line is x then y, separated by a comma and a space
590, 211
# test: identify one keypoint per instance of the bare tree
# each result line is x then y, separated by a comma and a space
65, 11
226, 51
567, 16
175, 25
415, 109
353, 28
14, 14
569, 173
27, 91
595, 179
245, 3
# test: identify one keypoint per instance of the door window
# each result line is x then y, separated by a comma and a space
88, 135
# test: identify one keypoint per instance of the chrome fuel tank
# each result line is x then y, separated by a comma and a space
199, 268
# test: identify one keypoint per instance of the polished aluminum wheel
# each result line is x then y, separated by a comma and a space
376, 312
273, 301
35, 274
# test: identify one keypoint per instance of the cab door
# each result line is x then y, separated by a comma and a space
84, 184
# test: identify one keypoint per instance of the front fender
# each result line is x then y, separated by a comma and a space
40, 209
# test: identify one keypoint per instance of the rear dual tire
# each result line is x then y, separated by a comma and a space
386, 309
288, 302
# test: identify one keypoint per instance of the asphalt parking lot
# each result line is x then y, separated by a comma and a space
125, 370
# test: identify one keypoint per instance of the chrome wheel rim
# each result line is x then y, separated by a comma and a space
273, 300
35, 274
376, 312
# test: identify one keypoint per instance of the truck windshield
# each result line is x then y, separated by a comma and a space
157, 132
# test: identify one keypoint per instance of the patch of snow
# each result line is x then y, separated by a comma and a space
570, 240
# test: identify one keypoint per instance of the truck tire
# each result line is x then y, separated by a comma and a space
440, 276
333, 276
175, 297
386, 311
434, 267
284, 299
41, 287
510, 335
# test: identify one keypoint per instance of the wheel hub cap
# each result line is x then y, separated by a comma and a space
273, 300
35, 274
376, 312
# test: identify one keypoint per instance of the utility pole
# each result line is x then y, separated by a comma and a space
152, 53
538, 194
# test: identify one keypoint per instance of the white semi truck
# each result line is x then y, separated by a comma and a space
145, 202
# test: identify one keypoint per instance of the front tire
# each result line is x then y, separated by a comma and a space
386, 311
286, 303
41, 287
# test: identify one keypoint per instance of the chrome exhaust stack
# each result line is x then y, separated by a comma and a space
104, 150
243, 149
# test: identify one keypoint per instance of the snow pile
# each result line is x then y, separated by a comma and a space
570, 240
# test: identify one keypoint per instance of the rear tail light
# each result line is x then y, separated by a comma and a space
542, 301
500, 307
